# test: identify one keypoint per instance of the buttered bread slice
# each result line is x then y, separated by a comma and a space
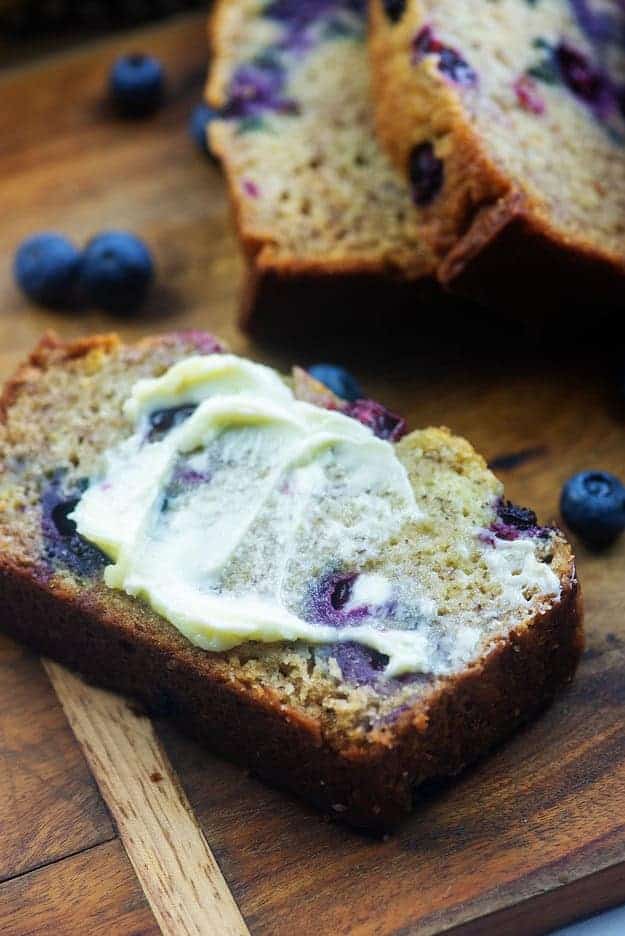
347, 608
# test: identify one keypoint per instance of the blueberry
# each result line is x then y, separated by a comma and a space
115, 271
59, 514
426, 173
359, 665
456, 68
450, 63
136, 85
46, 268
257, 87
163, 420
337, 379
201, 116
587, 81
394, 9
62, 544
593, 505
342, 591
520, 517
382, 422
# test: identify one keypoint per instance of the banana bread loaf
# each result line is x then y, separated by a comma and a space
344, 608
316, 200
508, 119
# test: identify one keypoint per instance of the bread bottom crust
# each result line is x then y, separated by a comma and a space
371, 787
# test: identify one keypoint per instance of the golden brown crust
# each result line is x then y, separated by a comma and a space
371, 788
370, 783
507, 244
49, 349
284, 302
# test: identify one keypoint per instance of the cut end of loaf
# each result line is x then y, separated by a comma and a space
312, 191
520, 109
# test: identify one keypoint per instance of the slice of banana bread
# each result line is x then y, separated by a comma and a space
429, 616
315, 199
509, 120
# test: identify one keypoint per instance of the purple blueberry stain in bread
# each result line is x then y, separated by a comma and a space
450, 63
564, 64
299, 18
359, 665
587, 81
62, 545
328, 598
183, 479
528, 95
512, 523
203, 342
341, 591
251, 188
427, 173
598, 25
382, 422
257, 87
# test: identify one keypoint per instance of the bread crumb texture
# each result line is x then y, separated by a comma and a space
65, 408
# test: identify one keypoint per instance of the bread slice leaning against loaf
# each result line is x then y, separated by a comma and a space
508, 120
500, 610
325, 220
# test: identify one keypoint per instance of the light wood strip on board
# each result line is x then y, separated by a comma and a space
182, 881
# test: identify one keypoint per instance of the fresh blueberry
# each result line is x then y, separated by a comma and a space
46, 268
394, 9
426, 173
337, 379
593, 505
201, 116
115, 271
136, 85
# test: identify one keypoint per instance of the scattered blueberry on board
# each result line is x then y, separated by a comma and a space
46, 268
201, 117
116, 270
113, 272
137, 85
337, 379
593, 506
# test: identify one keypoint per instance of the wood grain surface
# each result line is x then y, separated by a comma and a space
531, 837
167, 849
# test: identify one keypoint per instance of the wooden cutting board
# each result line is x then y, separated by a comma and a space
530, 838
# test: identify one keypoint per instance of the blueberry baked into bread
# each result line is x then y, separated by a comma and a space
316, 200
345, 608
508, 118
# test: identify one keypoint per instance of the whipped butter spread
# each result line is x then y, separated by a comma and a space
215, 523
254, 516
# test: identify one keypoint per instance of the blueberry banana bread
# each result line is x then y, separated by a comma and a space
508, 119
345, 608
315, 199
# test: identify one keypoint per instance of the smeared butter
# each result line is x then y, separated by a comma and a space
227, 523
